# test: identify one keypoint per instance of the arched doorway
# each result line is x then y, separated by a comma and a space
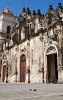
52, 68
52, 65
22, 68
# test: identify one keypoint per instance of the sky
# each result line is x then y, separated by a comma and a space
16, 6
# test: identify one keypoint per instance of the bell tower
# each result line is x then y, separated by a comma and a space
7, 22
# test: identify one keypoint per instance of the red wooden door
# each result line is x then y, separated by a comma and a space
4, 73
22, 68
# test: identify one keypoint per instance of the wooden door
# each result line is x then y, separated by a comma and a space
4, 73
22, 68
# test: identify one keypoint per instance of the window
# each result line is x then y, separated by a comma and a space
8, 29
8, 32
23, 58
50, 33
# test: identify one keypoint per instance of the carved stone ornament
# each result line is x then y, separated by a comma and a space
51, 50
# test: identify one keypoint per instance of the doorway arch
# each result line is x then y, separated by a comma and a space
22, 68
51, 65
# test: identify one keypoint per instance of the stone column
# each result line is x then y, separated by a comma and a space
4, 61
7, 72
28, 57
41, 39
16, 61
60, 65
7, 65
0, 64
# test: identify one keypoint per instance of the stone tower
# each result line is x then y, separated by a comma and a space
7, 22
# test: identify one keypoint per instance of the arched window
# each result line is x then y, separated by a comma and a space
23, 58
8, 29
8, 32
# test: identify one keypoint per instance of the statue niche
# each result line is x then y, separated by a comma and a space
23, 33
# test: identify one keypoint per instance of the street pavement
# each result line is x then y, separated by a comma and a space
21, 91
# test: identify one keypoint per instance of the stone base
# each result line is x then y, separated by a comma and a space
60, 76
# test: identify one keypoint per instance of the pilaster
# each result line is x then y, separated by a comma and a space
60, 65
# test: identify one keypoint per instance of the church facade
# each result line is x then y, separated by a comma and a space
33, 50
